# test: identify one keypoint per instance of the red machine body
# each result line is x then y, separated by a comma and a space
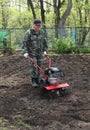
49, 80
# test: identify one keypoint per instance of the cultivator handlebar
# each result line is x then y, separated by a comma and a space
40, 69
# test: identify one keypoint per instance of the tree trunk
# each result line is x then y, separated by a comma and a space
84, 34
4, 18
60, 22
57, 13
29, 2
42, 11
83, 31
66, 14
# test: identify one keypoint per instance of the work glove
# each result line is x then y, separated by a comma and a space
44, 53
26, 55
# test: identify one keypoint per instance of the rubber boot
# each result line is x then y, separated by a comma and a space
34, 82
37, 80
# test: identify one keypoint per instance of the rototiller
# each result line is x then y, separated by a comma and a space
48, 82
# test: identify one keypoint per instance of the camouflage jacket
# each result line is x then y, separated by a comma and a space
34, 42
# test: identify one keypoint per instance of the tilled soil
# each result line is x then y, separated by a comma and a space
23, 108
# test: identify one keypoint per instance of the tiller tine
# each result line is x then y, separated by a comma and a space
53, 87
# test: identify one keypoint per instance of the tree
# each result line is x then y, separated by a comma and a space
82, 6
60, 20
40, 6
4, 13
42, 11
30, 3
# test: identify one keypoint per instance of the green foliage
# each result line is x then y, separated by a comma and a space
25, 125
82, 50
64, 45
18, 15
3, 125
19, 19
26, 19
76, 18
14, 19
7, 50
50, 20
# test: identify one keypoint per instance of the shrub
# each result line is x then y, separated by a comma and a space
64, 45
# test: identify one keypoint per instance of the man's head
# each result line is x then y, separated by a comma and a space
37, 24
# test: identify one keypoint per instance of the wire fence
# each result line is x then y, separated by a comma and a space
80, 36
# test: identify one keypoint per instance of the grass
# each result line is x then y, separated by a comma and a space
18, 120
4, 125
23, 124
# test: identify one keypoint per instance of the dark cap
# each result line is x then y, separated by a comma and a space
37, 21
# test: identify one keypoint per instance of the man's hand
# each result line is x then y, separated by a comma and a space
44, 53
26, 55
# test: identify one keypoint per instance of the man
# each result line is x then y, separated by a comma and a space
35, 45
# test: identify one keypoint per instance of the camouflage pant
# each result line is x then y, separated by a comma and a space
34, 72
